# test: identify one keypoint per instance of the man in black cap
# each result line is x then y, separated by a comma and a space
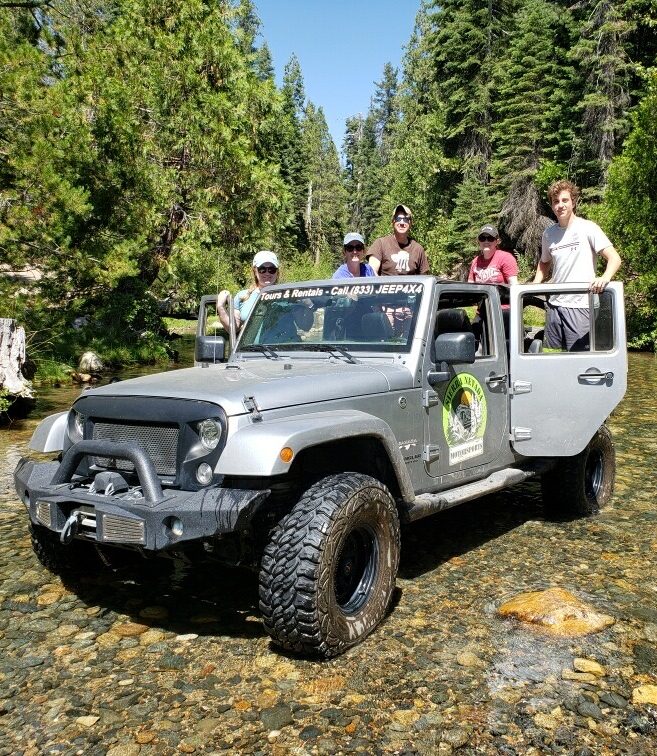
397, 254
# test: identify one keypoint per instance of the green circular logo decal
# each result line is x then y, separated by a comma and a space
464, 418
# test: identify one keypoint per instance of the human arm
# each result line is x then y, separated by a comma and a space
509, 269
374, 255
613, 260
542, 271
423, 263
224, 301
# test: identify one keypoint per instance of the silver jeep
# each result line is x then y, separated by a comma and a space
345, 409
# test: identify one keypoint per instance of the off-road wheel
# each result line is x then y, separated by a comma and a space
582, 485
328, 573
58, 558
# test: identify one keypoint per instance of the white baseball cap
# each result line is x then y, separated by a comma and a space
265, 256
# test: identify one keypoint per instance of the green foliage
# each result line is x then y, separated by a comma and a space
629, 212
300, 268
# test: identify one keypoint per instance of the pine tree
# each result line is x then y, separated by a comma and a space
601, 53
629, 213
325, 198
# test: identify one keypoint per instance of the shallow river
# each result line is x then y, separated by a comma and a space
163, 658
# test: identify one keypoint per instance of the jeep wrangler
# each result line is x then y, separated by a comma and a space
345, 409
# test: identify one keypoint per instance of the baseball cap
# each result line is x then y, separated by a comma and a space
352, 236
489, 229
265, 256
402, 209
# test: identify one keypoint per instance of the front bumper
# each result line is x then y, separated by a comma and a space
132, 518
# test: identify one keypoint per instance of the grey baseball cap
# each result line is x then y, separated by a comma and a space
352, 236
490, 230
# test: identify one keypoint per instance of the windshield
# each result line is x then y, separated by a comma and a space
372, 317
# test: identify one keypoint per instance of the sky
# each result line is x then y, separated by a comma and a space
342, 46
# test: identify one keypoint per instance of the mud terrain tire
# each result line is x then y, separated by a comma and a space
328, 574
582, 485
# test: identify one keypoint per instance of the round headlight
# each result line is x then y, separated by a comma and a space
78, 425
204, 474
209, 432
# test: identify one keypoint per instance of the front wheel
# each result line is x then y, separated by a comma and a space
328, 573
582, 485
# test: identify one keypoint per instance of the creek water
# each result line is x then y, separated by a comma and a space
176, 661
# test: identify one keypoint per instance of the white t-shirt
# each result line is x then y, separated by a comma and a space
573, 252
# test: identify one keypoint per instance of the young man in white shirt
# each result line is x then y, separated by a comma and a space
569, 252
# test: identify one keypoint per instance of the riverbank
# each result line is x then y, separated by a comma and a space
161, 659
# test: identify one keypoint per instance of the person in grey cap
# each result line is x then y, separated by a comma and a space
492, 265
397, 254
353, 248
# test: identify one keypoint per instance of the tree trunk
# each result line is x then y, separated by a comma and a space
12, 359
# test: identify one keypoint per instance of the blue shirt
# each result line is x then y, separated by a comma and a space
343, 271
244, 306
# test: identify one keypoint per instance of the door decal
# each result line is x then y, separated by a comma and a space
464, 418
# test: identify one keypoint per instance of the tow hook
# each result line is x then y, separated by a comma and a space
70, 528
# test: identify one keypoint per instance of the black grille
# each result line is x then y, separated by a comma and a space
160, 442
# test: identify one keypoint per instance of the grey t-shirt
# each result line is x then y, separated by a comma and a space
573, 252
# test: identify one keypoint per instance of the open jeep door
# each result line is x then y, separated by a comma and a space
559, 399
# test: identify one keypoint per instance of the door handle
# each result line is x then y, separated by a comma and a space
608, 376
493, 379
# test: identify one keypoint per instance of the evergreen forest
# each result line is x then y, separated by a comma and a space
147, 151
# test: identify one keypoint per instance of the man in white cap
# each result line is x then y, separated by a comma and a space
353, 248
397, 254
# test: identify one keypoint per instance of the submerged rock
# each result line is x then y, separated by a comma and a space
555, 611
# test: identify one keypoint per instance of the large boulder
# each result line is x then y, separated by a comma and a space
555, 611
90, 363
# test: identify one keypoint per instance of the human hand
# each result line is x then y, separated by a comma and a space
599, 284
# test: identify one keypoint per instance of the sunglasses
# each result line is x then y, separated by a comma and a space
486, 237
354, 247
267, 269
402, 219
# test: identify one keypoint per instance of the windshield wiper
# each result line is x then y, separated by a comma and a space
328, 348
266, 349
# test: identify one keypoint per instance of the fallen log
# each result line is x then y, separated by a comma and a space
13, 384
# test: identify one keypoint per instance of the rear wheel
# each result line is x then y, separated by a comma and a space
582, 485
328, 573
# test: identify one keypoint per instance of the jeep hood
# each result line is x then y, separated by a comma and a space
272, 385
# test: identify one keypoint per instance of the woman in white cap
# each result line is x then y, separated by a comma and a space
265, 272
353, 248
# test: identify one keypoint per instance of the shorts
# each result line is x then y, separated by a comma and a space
567, 328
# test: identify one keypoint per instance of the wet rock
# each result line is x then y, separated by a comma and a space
614, 699
276, 717
469, 659
456, 736
555, 611
645, 657
645, 694
589, 709
590, 666
310, 732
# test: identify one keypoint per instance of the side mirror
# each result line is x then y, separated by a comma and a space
453, 348
210, 347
